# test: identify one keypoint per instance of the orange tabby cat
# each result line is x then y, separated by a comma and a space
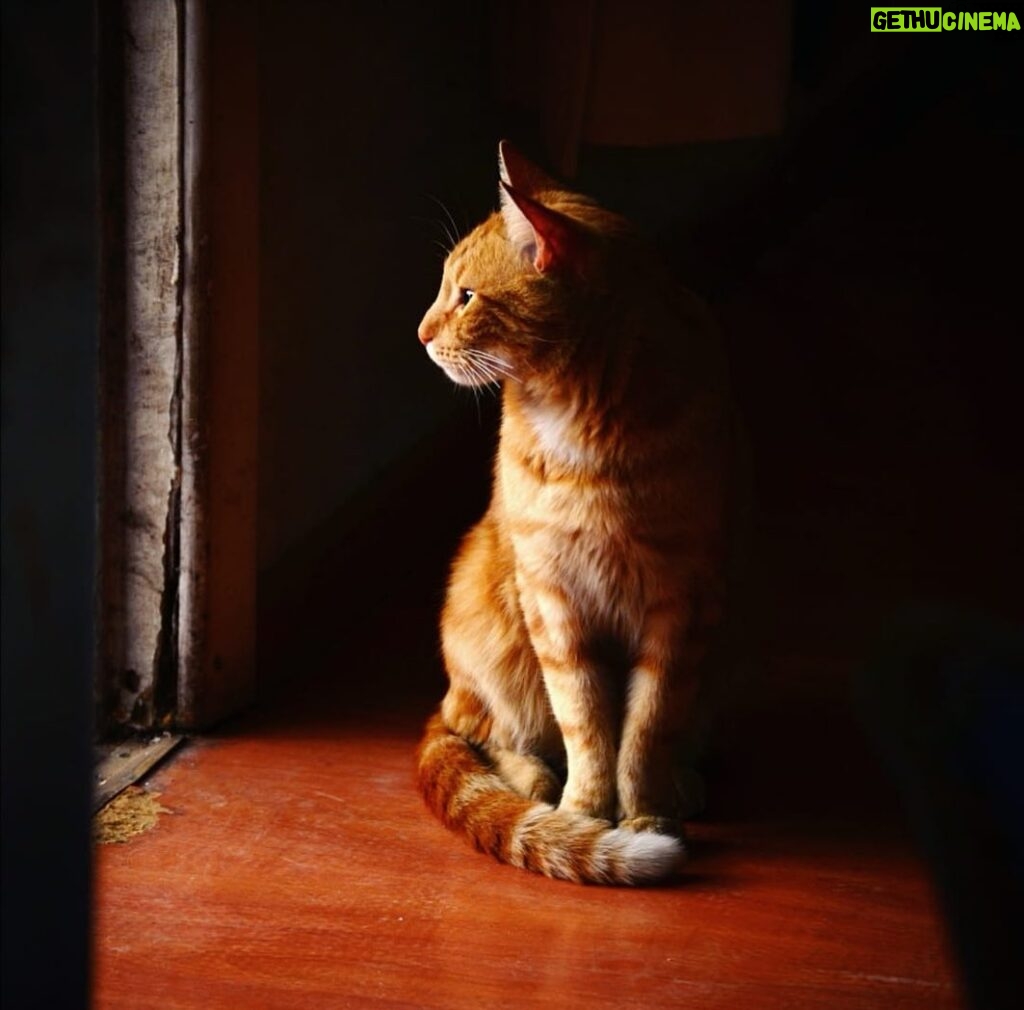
584, 607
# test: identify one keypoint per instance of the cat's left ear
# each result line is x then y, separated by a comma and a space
550, 239
521, 173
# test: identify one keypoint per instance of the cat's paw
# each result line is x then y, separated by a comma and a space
543, 785
528, 775
651, 823
597, 802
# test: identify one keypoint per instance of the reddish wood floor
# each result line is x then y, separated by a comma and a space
299, 869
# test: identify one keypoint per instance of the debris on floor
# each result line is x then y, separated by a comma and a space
132, 812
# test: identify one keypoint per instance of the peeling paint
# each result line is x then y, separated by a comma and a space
142, 483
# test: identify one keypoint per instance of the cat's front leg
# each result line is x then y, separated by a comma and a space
661, 696
579, 700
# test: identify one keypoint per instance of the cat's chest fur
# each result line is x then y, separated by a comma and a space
572, 526
556, 430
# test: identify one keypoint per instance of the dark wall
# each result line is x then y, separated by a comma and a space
863, 263
370, 114
49, 352
858, 259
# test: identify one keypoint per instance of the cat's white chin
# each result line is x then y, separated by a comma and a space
459, 374
461, 379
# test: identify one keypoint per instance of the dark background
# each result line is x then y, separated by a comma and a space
865, 262
49, 451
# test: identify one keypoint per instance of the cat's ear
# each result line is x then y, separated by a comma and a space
520, 173
550, 239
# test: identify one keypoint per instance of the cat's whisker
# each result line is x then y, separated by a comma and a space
450, 242
469, 370
494, 359
476, 399
481, 370
473, 370
483, 354
456, 231
492, 386
473, 354
451, 229
494, 364
485, 367
500, 373
464, 374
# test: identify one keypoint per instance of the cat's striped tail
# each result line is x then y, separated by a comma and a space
468, 797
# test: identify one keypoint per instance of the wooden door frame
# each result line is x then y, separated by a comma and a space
178, 120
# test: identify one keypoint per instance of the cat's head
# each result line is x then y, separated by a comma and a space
517, 290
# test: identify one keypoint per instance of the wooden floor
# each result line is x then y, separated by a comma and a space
297, 868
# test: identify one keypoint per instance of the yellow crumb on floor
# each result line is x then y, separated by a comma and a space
128, 814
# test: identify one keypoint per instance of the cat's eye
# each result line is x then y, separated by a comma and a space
466, 295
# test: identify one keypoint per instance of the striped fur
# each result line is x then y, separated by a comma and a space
461, 789
584, 609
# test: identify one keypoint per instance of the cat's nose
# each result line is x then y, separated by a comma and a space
425, 333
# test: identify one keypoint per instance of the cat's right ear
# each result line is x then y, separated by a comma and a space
548, 238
